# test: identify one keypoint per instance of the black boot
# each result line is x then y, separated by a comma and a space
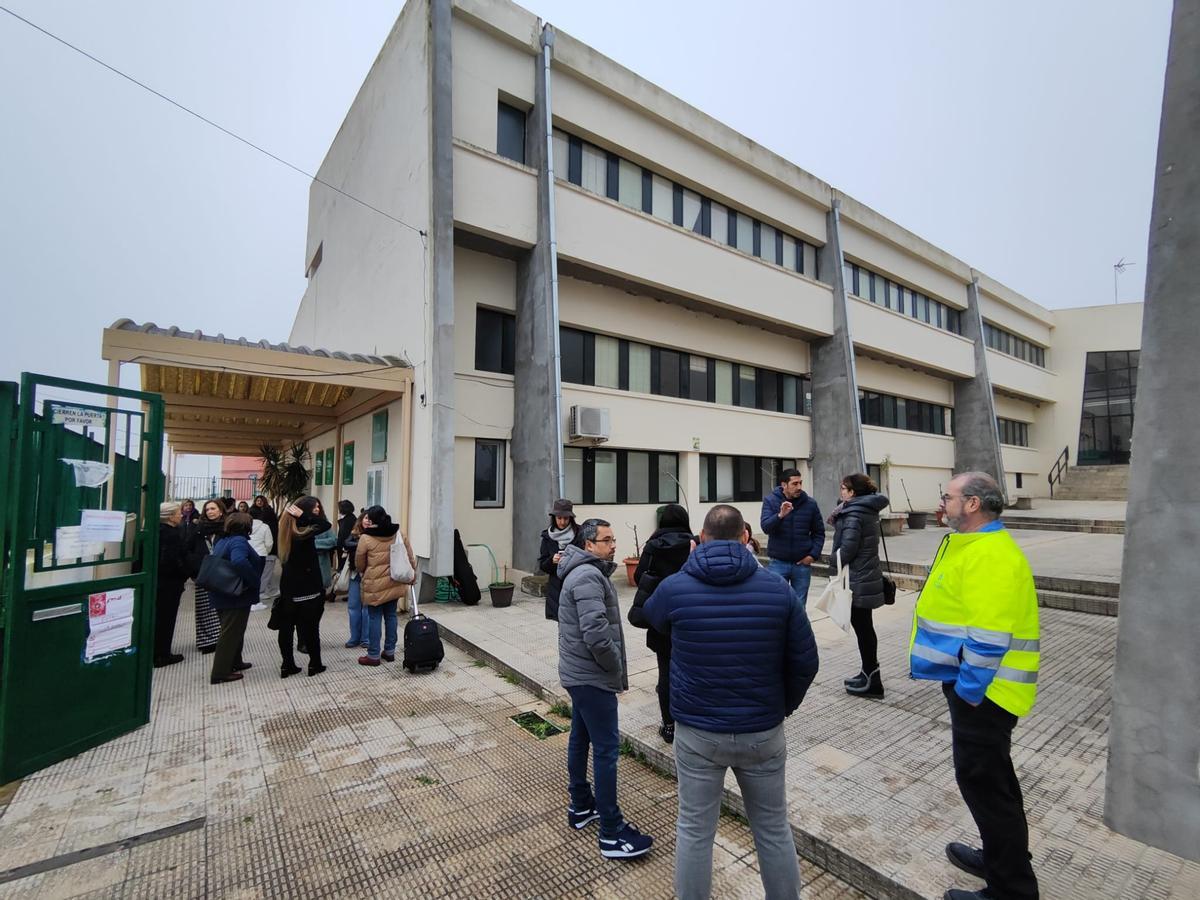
860, 679
867, 685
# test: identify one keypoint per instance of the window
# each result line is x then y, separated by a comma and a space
594, 169
379, 436
608, 362
639, 368
662, 199
766, 244
743, 236
562, 153
718, 222
573, 345
1009, 344
510, 133
621, 476
886, 293
789, 253
664, 368
747, 387
489, 474
1106, 423
692, 208
698, 369
629, 188
725, 479
495, 341
1012, 432
375, 483
888, 411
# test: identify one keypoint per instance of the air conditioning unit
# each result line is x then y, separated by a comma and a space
589, 423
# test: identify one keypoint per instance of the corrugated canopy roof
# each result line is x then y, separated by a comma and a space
231, 395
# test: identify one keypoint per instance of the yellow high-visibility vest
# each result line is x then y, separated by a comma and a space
976, 621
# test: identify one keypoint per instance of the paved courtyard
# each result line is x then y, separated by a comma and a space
358, 783
870, 784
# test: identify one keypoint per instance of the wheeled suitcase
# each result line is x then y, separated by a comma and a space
422, 644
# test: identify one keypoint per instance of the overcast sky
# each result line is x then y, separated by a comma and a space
1020, 136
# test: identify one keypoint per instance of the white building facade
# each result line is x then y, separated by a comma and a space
718, 313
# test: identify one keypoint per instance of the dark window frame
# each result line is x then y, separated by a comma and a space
498, 475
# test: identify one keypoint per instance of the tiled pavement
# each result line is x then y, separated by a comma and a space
870, 784
357, 783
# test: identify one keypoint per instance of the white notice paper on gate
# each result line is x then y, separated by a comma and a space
110, 623
102, 525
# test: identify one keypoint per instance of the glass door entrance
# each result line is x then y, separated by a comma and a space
1106, 425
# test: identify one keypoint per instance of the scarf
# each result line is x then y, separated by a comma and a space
837, 511
562, 536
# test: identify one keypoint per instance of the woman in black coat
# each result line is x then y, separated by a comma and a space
301, 584
663, 554
560, 534
856, 534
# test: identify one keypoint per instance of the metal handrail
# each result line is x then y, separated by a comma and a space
1061, 465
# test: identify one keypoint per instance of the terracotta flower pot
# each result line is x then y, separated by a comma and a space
631, 564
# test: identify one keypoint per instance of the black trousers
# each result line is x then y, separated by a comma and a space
229, 644
166, 610
663, 687
304, 618
868, 643
982, 737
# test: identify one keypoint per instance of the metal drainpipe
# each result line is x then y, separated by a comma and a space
547, 43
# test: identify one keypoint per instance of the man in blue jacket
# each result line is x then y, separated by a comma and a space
742, 658
795, 532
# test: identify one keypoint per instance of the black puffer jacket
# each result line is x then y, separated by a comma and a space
663, 554
856, 534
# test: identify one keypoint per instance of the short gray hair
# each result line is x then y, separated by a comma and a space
983, 486
168, 509
591, 528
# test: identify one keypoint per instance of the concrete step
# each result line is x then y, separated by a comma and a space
1080, 595
1094, 483
1050, 523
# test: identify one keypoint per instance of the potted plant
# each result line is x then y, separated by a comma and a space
631, 562
501, 591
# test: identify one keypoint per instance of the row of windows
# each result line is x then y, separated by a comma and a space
1007, 342
886, 293
620, 476
725, 479
631, 185
1013, 432
603, 361
899, 412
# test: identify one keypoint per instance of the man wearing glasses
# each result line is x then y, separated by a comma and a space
592, 667
975, 629
795, 532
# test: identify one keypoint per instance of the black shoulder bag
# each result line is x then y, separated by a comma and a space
889, 584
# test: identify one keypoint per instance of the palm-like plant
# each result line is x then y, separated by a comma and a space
285, 473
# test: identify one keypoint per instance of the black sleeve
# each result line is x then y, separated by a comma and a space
644, 564
848, 539
546, 555
345, 526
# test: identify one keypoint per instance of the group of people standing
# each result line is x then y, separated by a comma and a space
289, 560
736, 656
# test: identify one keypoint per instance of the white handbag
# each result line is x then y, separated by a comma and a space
837, 599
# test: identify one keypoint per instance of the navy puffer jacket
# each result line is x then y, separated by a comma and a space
799, 534
742, 650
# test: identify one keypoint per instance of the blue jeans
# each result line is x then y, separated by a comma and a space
797, 575
383, 614
360, 619
594, 725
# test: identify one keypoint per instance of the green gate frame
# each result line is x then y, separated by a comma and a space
53, 703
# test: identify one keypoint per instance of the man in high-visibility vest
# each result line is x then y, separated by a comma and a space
975, 629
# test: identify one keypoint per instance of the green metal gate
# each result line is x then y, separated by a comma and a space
80, 484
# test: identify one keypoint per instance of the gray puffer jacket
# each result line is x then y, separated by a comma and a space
591, 644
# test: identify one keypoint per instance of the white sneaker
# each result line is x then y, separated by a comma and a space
258, 607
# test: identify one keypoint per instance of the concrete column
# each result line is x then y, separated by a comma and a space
1153, 781
537, 429
440, 382
837, 448
976, 440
